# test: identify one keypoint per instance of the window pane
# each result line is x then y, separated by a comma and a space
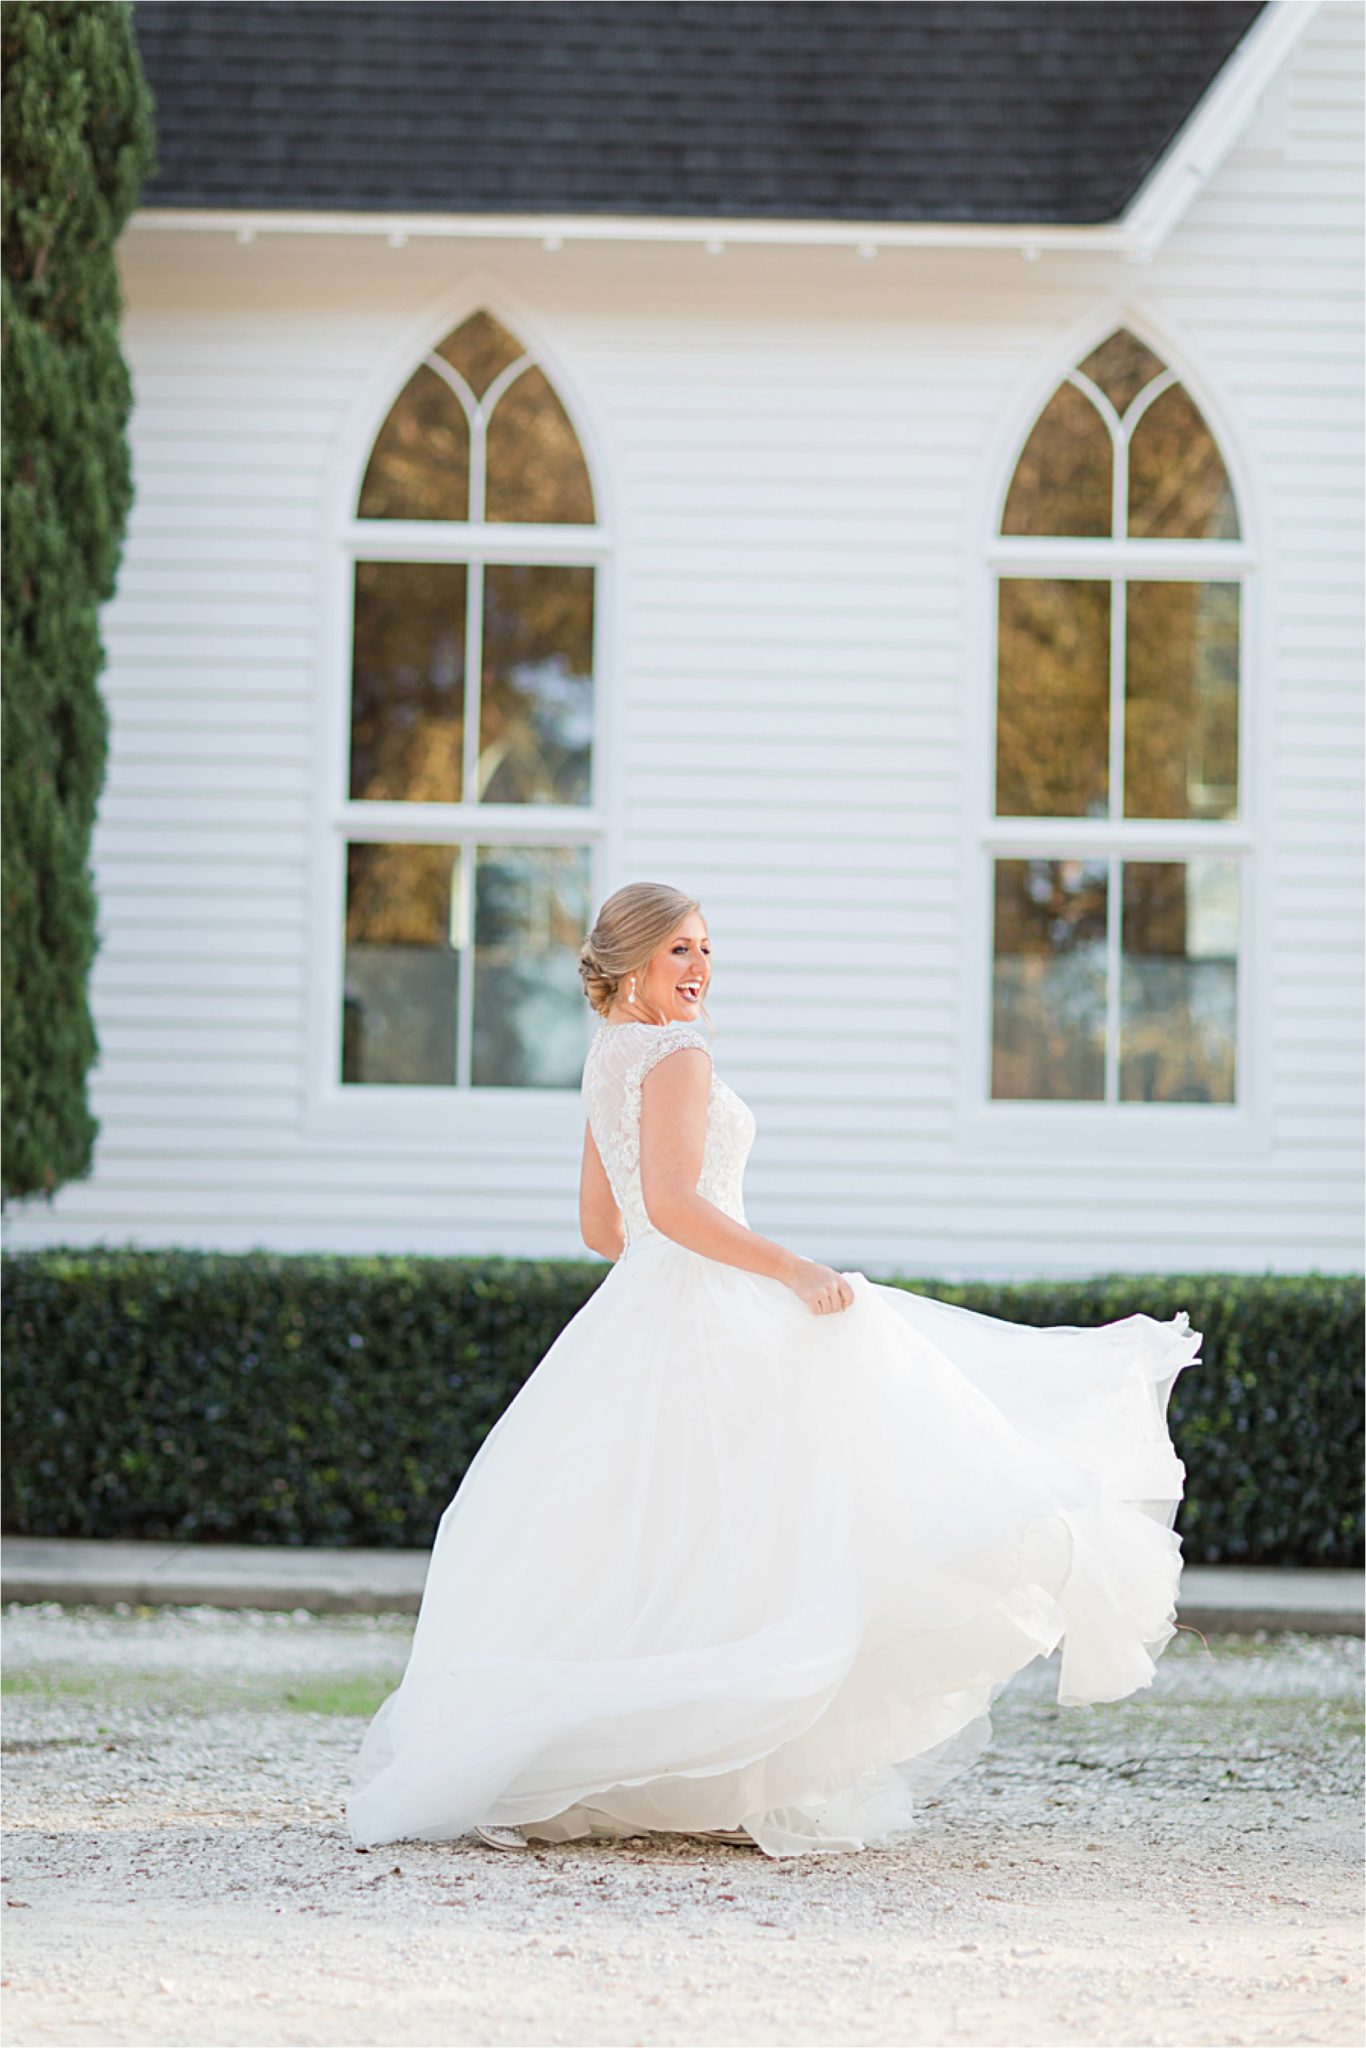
420, 465
1122, 367
536, 468
1178, 486
1064, 478
401, 972
1052, 698
1181, 701
480, 349
1179, 981
1048, 1021
536, 711
408, 682
531, 913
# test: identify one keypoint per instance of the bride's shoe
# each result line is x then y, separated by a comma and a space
723, 1835
502, 1838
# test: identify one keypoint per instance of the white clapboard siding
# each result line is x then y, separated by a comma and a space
796, 451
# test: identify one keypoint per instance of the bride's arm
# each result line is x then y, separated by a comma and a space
673, 1133
600, 1223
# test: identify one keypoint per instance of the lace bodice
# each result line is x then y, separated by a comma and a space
619, 1058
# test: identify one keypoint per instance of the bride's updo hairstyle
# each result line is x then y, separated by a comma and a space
632, 925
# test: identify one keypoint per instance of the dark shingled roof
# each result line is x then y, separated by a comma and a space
775, 109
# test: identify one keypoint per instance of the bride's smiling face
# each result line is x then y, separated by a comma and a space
676, 976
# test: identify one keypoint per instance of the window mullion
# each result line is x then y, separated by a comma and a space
452, 540
474, 675
478, 466
462, 936
474, 672
1119, 485
1119, 605
1167, 561
1112, 961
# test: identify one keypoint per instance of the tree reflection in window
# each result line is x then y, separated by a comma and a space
408, 682
401, 970
1178, 485
1181, 699
1178, 981
1063, 481
1117, 701
472, 690
536, 699
1120, 427
1048, 1036
477, 433
1052, 698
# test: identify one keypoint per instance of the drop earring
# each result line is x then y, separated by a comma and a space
633, 989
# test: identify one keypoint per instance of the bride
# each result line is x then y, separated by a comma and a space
758, 1544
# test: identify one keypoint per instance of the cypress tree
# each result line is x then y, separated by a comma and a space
78, 143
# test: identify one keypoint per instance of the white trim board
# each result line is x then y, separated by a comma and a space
1215, 124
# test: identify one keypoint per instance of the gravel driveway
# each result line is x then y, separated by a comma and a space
1181, 1867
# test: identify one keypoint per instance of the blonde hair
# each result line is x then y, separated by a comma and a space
631, 927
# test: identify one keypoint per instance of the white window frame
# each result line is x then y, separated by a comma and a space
415, 1114
1110, 1129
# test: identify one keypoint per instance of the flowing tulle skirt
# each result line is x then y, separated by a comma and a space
723, 1563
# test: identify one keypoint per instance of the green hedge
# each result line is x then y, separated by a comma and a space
319, 1400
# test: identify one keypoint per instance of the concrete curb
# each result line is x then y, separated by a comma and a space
74, 1571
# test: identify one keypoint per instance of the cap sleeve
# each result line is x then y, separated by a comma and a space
666, 1038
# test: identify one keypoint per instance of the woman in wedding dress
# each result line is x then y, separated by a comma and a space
757, 1545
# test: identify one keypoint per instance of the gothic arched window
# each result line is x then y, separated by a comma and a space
1116, 837
469, 819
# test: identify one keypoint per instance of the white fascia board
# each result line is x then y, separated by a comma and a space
1211, 130
711, 231
1194, 153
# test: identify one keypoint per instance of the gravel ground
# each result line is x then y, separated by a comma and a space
1182, 1867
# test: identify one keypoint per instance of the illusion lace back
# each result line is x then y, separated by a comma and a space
723, 1563
619, 1058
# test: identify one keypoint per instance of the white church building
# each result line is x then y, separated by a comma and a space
892, 471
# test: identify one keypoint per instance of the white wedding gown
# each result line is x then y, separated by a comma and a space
725, 1563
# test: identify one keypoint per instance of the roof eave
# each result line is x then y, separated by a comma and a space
710, 231
1180, 174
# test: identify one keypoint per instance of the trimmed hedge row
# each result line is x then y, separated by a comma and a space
328, 1400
